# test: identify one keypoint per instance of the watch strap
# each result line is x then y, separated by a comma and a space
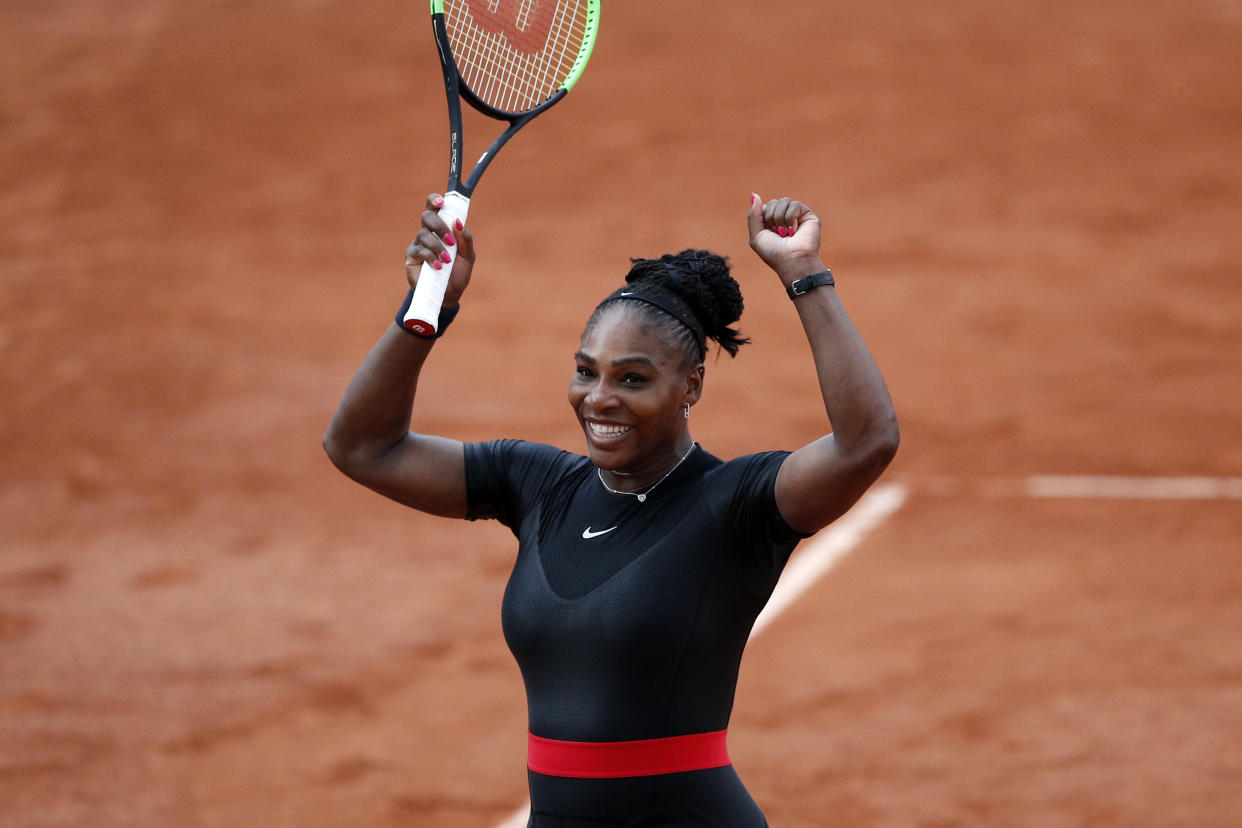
809, 283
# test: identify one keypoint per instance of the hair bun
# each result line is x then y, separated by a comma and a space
701, 280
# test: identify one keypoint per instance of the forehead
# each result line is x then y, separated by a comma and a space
619, 333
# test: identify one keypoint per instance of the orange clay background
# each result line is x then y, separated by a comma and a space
1034, 211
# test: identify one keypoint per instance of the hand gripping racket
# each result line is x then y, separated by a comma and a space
511, 60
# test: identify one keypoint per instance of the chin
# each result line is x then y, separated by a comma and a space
602, 458
608, 459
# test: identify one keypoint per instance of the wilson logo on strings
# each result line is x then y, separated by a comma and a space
521, 22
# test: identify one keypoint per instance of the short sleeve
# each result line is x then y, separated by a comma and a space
765, 540
505, 477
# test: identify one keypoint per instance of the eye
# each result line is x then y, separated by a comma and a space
633, 379
582, 372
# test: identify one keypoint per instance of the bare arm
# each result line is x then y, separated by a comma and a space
369, 437
820, 481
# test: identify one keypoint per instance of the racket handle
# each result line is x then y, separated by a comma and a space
424, 310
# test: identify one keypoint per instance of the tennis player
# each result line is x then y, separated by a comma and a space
642, 565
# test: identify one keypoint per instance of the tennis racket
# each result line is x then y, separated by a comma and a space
512, 60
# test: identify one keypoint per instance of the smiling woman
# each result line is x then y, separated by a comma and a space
642, 566
640, 368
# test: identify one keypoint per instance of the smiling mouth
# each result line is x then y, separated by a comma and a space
605, 431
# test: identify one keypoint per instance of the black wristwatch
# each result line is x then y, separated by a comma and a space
810, 283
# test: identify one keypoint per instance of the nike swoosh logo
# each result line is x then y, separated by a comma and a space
587, 534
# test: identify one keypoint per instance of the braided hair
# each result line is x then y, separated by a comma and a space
688, 297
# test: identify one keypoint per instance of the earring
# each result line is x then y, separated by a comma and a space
686, 411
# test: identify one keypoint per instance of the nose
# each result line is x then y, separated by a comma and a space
599, 397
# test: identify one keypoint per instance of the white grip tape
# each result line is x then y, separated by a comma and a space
424, 311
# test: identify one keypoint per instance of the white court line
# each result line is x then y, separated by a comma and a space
818, 556
1139, 488
829, 546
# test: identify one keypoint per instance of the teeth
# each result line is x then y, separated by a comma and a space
600, 430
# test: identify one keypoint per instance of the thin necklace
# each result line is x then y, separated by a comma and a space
642, 496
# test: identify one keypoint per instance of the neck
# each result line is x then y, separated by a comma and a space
639, 479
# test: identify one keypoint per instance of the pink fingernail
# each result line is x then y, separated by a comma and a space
437, 201
780, 231
437, 265
459, 225
448, 239
446, 258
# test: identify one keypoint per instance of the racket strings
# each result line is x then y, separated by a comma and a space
513, 80
500, 73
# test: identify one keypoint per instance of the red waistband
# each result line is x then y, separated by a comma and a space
644, 757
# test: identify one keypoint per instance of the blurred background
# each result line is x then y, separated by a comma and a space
1033, 213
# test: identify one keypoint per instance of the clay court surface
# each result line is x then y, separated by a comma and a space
1033, 210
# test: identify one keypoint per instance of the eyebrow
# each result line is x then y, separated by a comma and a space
590, 360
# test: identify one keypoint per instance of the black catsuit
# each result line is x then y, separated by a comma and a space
628, 619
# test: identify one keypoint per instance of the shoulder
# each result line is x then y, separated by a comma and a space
520, 458
748, 469
743, 490
505, 478
730, 485
509, 447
